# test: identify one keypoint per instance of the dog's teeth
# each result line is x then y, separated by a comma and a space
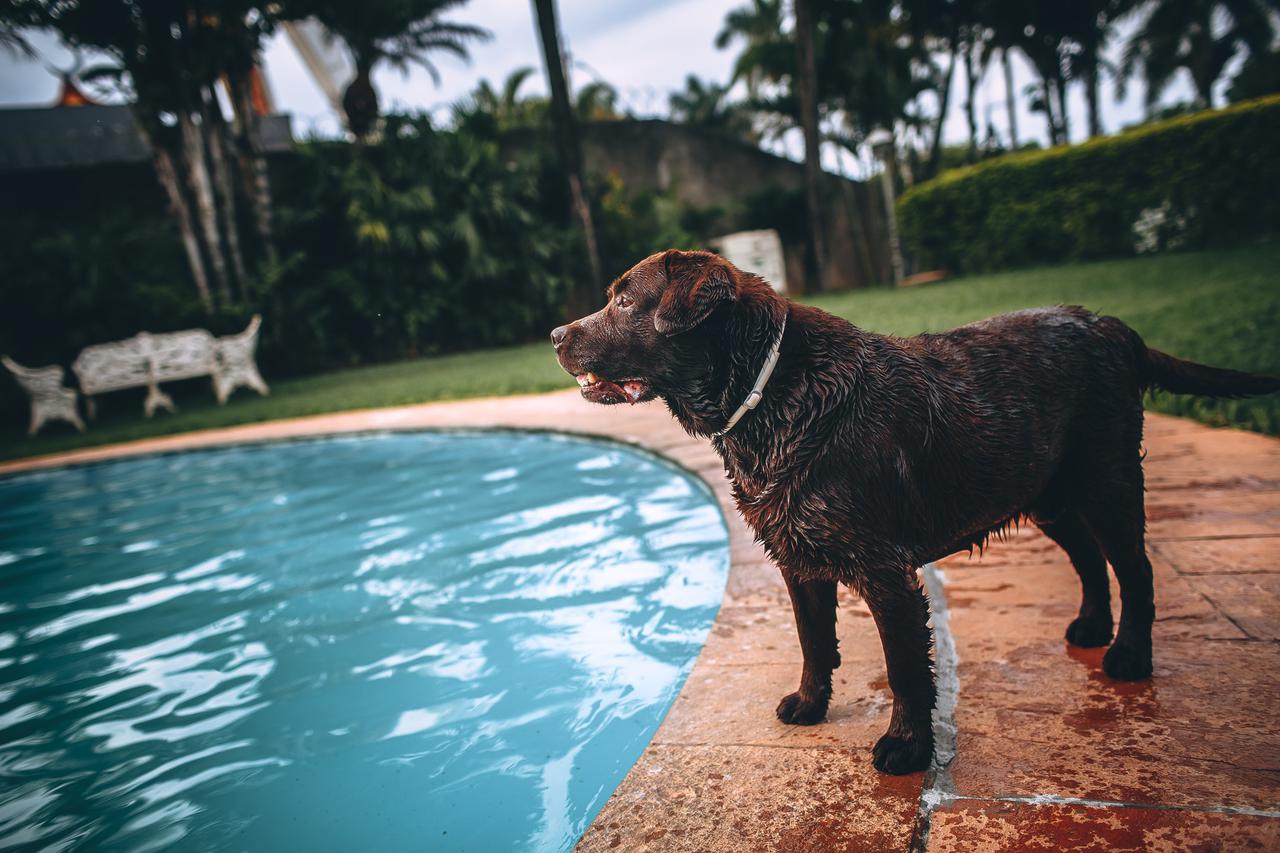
591, 379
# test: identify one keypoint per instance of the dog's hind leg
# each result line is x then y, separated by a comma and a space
1117, 519
1092, 627
814, 604
902, 616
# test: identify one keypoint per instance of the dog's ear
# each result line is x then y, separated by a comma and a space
696, 283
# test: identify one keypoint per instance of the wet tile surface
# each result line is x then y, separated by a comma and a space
755, 798
970, 827
1038, 721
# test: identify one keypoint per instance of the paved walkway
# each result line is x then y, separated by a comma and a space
1049, 753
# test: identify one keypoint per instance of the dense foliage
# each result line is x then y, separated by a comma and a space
1202, 180
432, 240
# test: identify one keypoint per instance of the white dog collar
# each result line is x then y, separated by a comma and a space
757, 391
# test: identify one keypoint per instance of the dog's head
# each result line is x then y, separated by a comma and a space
654, 336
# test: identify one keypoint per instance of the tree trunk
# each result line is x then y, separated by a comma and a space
1060, 92
1050, 111
567, 142
944, 101
807, 84
891, 217
1203, 83
1010, 99
360, 103
253, 164
168, 177
206, 210
970, 105
1092, 96
1200, 60
215, 139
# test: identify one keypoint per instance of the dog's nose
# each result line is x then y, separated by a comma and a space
558, 335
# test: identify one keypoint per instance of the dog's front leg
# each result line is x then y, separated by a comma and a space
814, 603
901, 614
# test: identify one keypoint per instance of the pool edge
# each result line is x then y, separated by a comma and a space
722, 716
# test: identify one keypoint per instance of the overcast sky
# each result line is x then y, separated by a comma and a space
644, 48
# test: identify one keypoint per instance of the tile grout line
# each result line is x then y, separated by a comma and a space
1056, 800
938, 786
1213, 605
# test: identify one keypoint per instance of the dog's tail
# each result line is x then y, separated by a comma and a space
1161, 370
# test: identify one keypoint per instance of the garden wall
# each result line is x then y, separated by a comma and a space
749, 189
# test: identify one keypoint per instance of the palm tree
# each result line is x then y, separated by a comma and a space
767, 54
806, 84
937, 27
1201, 36
1259, 76
1090, 27
566, 130
1010, 99
1043, 40
870, 69
975, 48
702, 102
502, 109
596, 101
399, 33
705, 104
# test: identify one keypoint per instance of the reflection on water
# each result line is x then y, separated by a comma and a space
391, 643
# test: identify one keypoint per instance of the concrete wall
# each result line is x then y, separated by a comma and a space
708, 170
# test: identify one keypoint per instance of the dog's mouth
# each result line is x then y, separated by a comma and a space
600, 390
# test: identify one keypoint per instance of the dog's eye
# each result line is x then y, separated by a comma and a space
623, 300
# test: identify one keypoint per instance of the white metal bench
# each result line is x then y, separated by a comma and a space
50, 399
146, 360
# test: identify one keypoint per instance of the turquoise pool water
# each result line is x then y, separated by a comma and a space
401, 642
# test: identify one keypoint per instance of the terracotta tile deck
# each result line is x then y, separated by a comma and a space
1049, 754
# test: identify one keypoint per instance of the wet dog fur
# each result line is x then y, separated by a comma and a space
871, 456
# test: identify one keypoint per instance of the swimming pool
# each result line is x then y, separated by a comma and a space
425, 641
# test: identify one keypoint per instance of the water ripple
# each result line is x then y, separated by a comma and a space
260, 648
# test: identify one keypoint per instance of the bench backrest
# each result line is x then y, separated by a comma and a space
143, 359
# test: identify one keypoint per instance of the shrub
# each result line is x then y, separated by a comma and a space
1197, 181
429, 241
633, 225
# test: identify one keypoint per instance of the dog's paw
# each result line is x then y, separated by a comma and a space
1089, 633
798, 710
899, 756
1125, 663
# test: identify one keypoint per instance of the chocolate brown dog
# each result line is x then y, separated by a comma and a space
868, 456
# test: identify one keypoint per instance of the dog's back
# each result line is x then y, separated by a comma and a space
979, 420
1016, 415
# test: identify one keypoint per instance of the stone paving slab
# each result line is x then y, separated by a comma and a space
973, 827
718, 798
1221, 556
1051, 754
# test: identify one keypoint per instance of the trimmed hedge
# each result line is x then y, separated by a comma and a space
1197, 181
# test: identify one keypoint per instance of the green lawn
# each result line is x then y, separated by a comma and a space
1221, 308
